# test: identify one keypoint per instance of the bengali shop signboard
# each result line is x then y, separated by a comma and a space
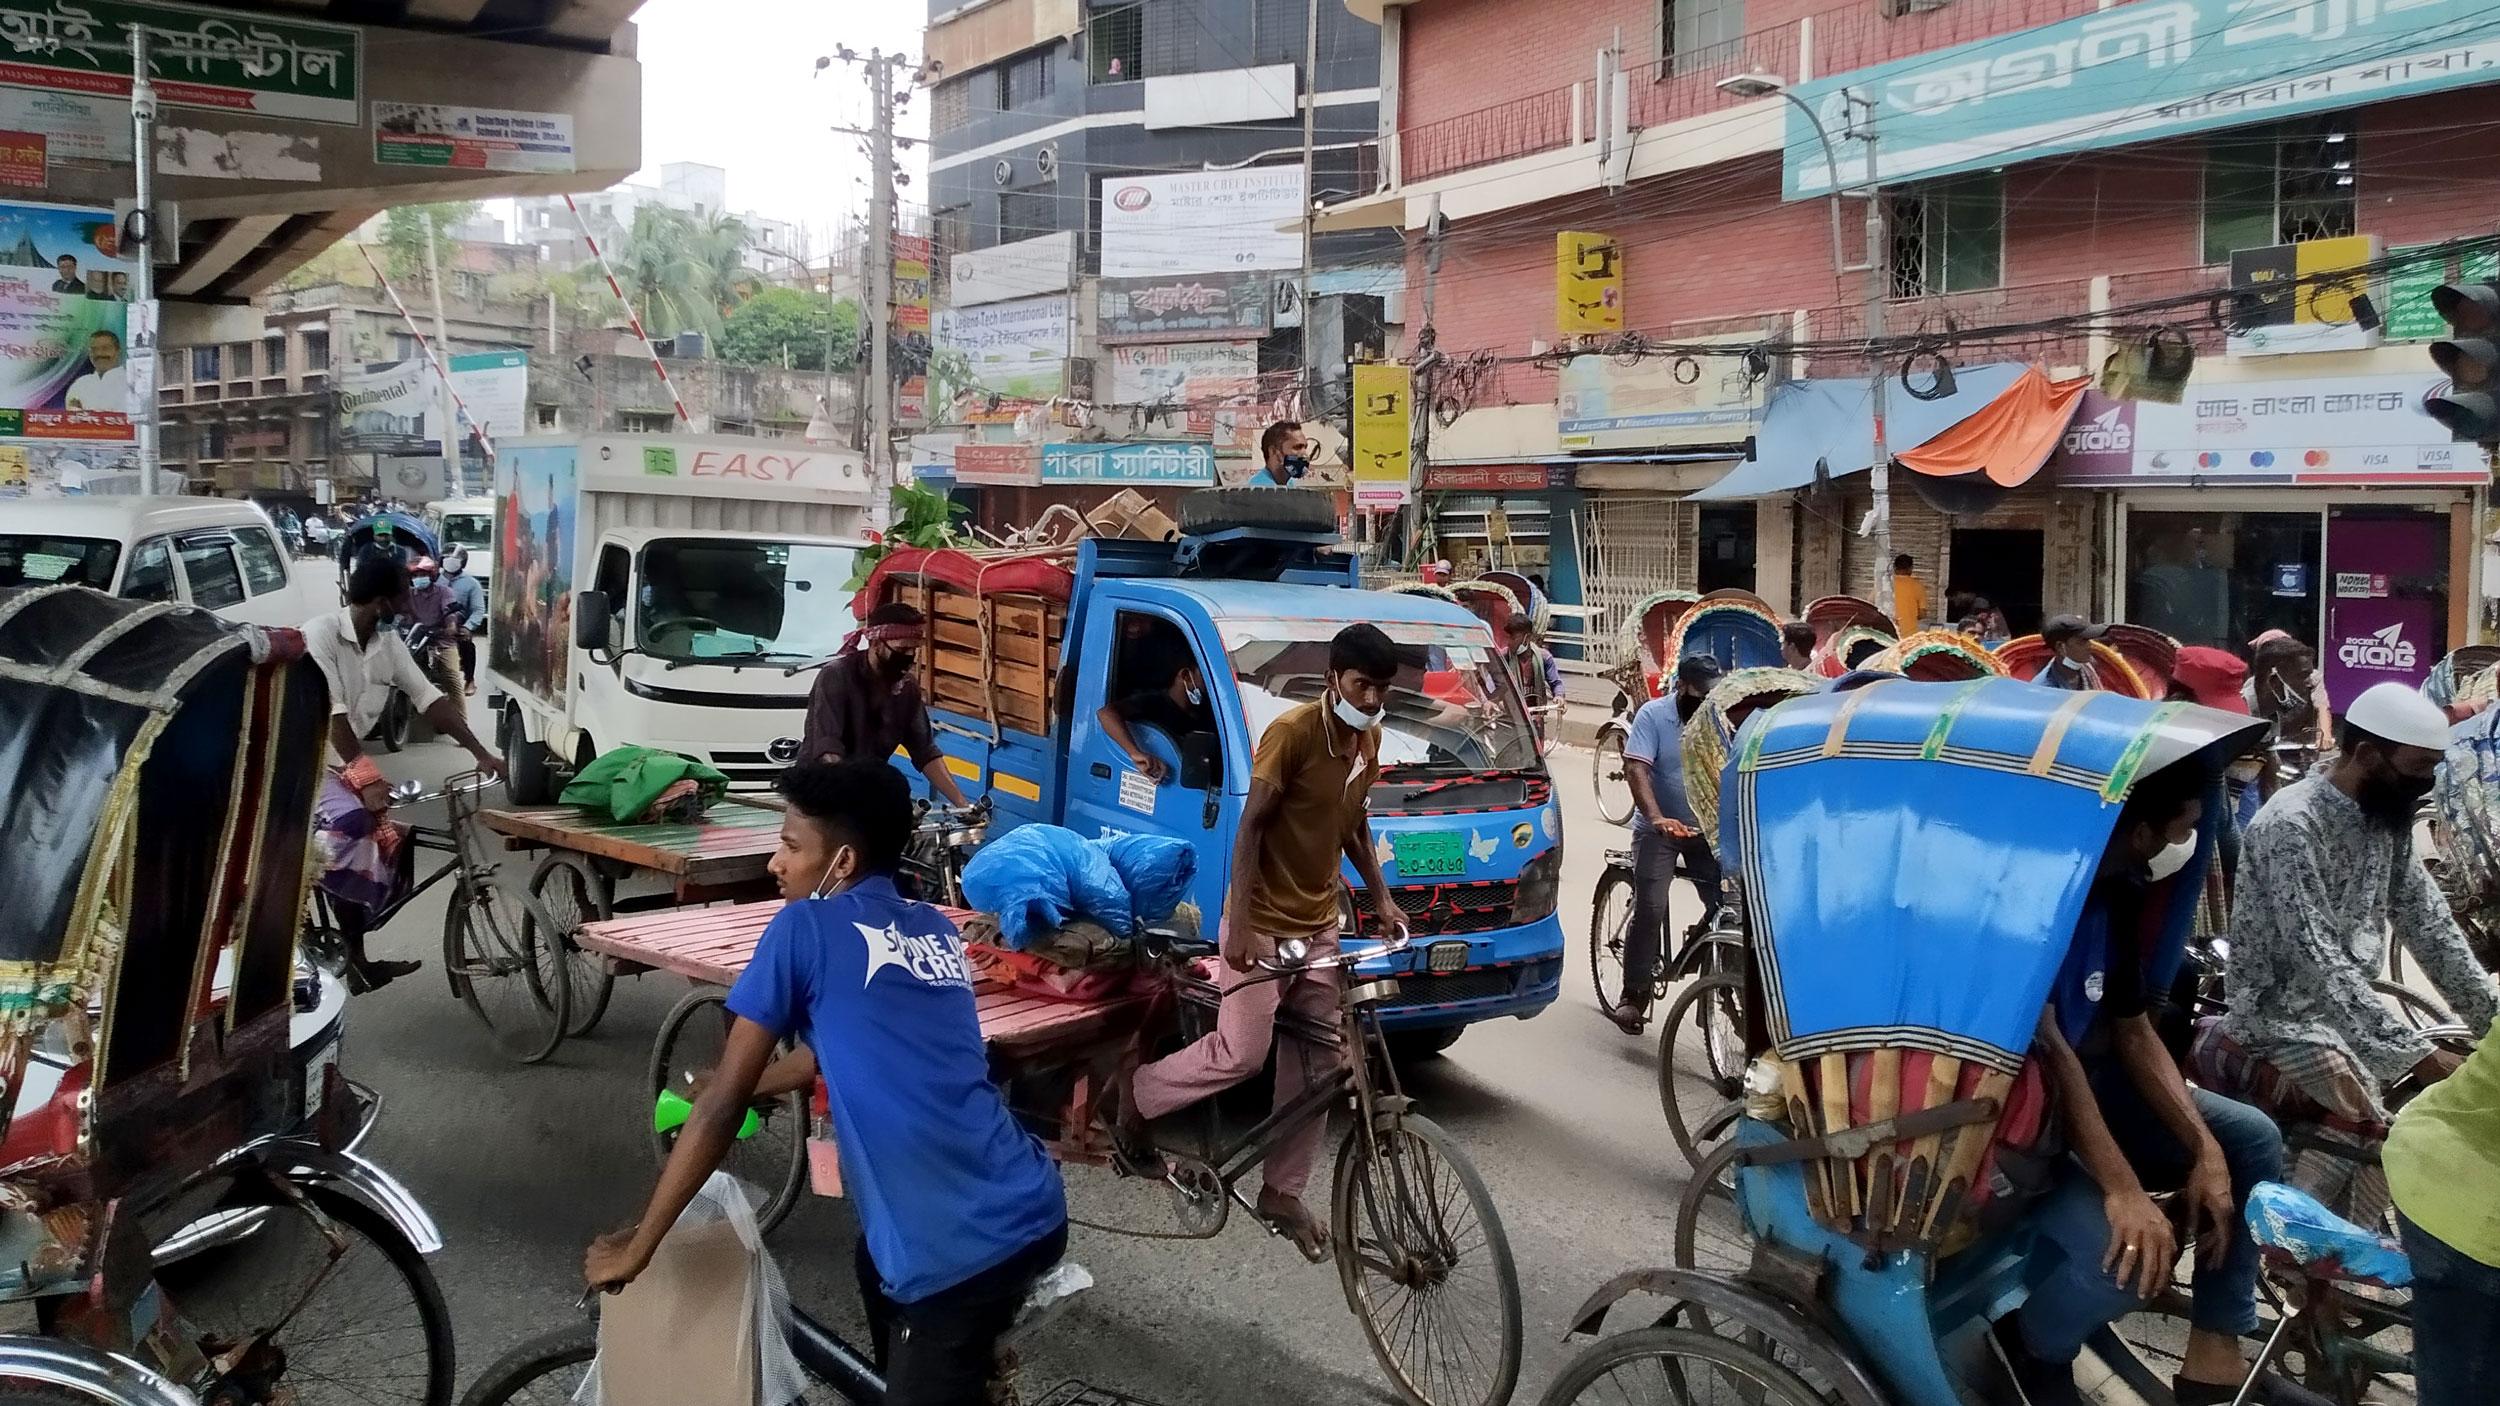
1202, 222
2133, 73
1170, 463
1208, 390
2323, 430
1011, 465
201, 58
1195, 308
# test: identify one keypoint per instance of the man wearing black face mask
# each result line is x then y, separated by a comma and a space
1284, 456
867, 704
2327, 872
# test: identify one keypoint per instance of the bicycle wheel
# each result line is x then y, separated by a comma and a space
570, 893
344, 1307
509, 979
1698, 1042
772, 1165
544, 1371
1614, 788
1425, 1265
1676, 1366
1610, 923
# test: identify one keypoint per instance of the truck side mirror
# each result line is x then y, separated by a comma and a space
590, 620
1202, 763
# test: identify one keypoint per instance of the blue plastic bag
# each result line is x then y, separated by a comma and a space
1036, 877
1157, 870
2289, 1223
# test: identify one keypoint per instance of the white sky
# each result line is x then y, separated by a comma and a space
732, 83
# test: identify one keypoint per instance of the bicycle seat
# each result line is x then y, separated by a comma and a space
1164, 942
2297, 1233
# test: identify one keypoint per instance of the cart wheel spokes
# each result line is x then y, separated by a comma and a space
1699, 1072
510, 979
572, 896
772, 1164
1426, 1266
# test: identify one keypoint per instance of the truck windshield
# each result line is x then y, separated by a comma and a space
1453, 706
37, 559
472, 530
722, 598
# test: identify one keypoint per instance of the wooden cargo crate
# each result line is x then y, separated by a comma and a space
994, 657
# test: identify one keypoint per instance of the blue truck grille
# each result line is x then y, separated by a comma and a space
1450, 910
1482, 984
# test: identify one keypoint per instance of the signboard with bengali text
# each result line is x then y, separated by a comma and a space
203, 58
2320, 430
1172, 464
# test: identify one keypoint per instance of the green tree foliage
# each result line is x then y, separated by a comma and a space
682, 273
403, 238
781, 326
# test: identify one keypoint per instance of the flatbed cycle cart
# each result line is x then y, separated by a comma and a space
1420, 1253
583, 857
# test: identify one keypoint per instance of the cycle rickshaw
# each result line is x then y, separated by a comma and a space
1912, 859
170, 1215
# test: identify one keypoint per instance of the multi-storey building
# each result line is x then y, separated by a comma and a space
2039, 161
1145, 158
689, 187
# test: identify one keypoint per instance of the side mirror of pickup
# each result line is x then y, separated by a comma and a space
591, 613
1202, 762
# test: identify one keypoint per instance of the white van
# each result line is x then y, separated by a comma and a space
469, 524
220, 554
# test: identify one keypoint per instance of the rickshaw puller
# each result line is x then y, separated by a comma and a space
364, 864
1663, 827
2132, 1122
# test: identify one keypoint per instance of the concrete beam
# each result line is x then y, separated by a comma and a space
592, 20
445, 11
227, 248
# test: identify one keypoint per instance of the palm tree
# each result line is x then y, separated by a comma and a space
682, 272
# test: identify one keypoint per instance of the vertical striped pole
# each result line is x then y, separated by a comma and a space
433, 357
635, 317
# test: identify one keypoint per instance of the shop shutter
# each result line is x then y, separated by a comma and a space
1631, 546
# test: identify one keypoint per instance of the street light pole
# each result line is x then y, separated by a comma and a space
143, 373
1878, 274
1310, 181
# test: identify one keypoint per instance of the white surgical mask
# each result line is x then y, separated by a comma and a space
1197, 697
2172, 859
825, 885
1354, 717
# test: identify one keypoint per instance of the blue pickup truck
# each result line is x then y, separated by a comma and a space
1465, 815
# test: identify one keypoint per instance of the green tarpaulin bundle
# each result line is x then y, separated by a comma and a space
633, 785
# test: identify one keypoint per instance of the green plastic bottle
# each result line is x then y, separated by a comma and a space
670, 1111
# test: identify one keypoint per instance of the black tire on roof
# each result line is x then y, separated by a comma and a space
1278, 509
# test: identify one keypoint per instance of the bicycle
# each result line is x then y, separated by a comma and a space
943, 840
1606, 771
1412, 1224
503, 953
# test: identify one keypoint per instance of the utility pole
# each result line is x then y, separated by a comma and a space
1310, 182
1878, 286
880, 286
448, 413
140, 376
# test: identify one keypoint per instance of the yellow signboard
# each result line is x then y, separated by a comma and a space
2317, 261
1588, 282
1383, 427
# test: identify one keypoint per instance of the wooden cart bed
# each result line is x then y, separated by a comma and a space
712, 857
715, 944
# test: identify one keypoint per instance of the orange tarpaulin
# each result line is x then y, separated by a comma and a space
2009, 438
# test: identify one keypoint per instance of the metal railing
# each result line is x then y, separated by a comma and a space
1520, 127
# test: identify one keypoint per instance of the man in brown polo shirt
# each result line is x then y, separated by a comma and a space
1308, 789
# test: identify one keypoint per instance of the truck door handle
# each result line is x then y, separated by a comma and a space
1102, 770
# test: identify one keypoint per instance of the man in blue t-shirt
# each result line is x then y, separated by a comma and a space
959, 1209
1663, 827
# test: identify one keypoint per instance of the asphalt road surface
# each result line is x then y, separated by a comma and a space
522, 1166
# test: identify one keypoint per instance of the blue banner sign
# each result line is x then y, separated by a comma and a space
2134, 73
1189, 463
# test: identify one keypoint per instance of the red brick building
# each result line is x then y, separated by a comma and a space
2101, 159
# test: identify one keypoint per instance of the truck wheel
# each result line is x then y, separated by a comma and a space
526, 778
1410, 1046
1222, 509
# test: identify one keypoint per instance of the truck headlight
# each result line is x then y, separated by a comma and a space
1540, 887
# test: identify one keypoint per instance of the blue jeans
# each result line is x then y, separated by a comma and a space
2077, 1298
2456, 1321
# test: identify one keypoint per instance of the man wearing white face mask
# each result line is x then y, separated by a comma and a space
1179, 708
1306, 811
2134, 1127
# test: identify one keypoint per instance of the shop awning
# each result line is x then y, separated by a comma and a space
1827, 421
2004, 442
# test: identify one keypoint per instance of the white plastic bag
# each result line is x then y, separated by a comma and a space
722, 1200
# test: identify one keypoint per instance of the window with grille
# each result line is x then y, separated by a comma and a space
1026, 212
273, 357
204, 363
316, 351
950, 230
1115, 45
1023, 82
1948, 236
2280, 185
646, 421
1697, 33
950, 106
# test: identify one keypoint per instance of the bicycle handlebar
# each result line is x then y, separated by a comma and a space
1291, 958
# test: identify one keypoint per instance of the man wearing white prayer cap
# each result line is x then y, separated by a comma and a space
2328, 874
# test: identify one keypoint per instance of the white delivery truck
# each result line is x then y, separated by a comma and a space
469, 524
669, 591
